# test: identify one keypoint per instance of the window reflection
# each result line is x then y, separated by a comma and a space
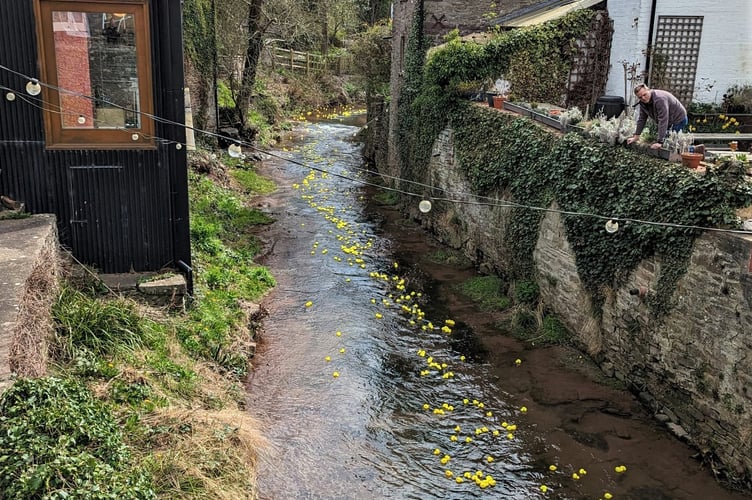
95, 54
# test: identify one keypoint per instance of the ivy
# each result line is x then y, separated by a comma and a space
535, 60
501, 153
511, 156
58, 441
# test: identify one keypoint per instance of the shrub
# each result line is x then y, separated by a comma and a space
526, 292
58, 441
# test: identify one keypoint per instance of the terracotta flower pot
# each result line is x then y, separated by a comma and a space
498, 101
692, 160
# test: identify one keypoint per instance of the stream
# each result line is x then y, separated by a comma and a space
376, 379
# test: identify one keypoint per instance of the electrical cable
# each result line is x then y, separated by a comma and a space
449, 196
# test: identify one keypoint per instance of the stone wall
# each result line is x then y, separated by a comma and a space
441, 16
692, 368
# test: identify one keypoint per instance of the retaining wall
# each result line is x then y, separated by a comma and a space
692, 368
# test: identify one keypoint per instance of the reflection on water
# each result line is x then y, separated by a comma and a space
364, 395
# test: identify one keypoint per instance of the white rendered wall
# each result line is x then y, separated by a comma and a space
725, 55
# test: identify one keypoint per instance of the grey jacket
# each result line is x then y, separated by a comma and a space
664, 109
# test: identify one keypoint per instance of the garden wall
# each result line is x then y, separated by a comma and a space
692, 368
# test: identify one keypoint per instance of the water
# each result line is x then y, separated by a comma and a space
364, 395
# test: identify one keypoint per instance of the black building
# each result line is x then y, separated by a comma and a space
92, 127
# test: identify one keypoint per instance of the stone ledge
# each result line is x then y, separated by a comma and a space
28, 258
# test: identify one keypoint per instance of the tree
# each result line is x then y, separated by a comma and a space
371, 12
371, 56
250, 63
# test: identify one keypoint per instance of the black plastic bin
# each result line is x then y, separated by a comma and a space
609, 105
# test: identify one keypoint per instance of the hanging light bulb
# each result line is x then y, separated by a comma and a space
612, 226
178, 146
81, 119
424, 206
234, 150
10, 96
33, 87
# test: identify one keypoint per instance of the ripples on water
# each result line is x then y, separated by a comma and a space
366, 434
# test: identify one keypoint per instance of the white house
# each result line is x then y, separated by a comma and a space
700, 47
706, 45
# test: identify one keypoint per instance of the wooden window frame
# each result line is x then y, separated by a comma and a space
58, 137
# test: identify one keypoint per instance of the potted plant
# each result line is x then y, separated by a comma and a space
681, 142
501, 90
570, 118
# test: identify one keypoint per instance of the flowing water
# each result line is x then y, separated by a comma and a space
375, 379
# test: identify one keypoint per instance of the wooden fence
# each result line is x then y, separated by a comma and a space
293, 60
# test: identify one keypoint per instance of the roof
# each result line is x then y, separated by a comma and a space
543, 12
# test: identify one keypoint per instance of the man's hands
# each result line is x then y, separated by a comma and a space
635, 138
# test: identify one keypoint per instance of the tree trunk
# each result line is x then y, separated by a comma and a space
324, 29
252, 54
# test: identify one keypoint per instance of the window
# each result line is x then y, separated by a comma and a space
95, 57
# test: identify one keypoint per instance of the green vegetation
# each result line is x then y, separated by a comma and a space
87, 325
59, 441
504, 155
535, 60
451, 257
223, 250
142, 403
487, 291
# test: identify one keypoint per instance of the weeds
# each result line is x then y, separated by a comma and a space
102, 327
58, 441
486, 290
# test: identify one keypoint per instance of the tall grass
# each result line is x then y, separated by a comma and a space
103, 327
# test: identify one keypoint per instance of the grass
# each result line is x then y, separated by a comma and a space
486, 290
449, 257
525, 317
144, 402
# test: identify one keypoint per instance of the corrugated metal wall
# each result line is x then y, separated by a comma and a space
119, 210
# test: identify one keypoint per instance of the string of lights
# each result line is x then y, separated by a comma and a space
438, 194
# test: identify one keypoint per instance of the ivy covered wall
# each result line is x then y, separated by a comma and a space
666, 312
529, 204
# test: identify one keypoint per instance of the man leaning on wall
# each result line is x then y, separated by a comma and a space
663, 108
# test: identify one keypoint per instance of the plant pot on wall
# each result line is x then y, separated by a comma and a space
498, 101
692, 160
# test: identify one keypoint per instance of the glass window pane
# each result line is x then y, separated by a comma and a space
95, 54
